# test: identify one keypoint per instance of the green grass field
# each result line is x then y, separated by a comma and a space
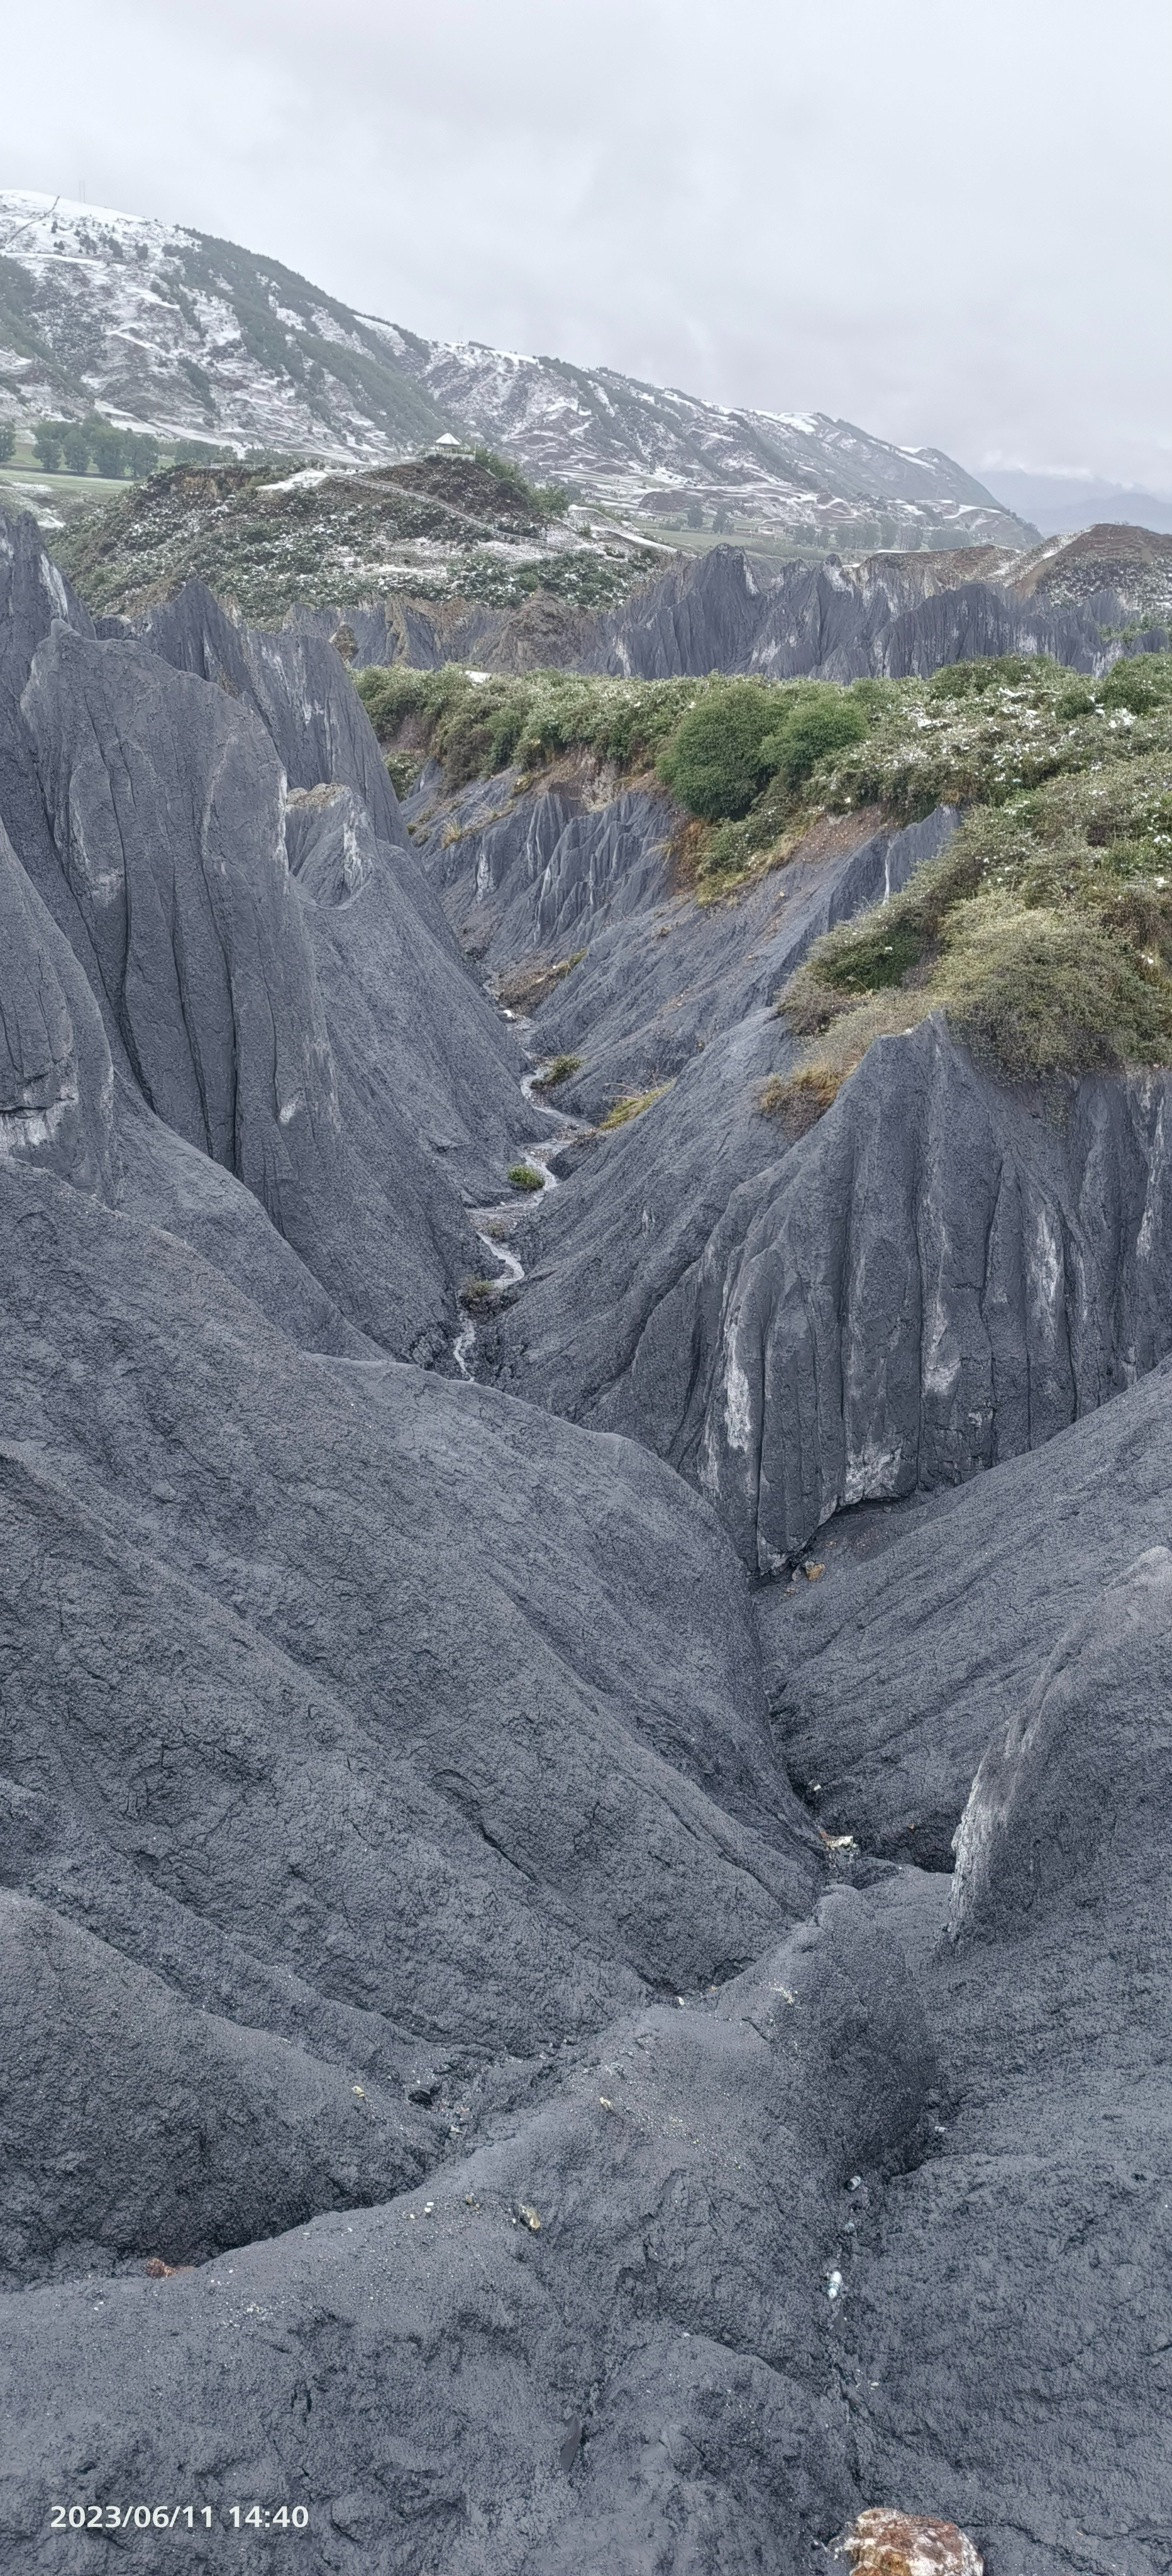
30, 488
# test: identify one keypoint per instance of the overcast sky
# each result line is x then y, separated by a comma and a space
947, 222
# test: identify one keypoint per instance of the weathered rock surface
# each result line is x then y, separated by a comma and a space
420, 1058
587, 2150
56, 1079
727, 610
166, 802
187, 1468
1012, 2301
298, 687
932, 1620
742, 2266
935, 1278
610, 2270
531, 880
232, 2133
315, 1035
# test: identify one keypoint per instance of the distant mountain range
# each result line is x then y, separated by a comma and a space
1060, 503
153, 324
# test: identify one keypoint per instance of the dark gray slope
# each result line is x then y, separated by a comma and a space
849, 623
197, 2132
297, 685
424, 1065
34, 596
164, 1182
931, 1621
965, 2141
166, 802
537, 878
640, 2381
540, 871
938, 1276
354, 1079
1008, 2328
362, 1672
56, 1079
654, 990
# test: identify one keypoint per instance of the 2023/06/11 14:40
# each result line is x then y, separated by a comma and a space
176, 2517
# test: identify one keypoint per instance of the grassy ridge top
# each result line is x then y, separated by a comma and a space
1045, 929
285, 534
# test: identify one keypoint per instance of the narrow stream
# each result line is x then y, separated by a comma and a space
508, 1213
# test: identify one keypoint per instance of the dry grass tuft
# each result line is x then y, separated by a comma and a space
631, 1105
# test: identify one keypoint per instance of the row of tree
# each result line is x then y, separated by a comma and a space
73, 446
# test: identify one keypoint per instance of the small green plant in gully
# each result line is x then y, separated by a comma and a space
559, 1071
480, 1292
523, 1177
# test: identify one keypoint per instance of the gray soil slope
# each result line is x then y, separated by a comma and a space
495, 2053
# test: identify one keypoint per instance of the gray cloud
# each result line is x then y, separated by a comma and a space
947, 222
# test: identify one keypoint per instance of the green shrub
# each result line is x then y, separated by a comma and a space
1043, 931
7, 441
879, 955
1036, 992
480, 1292
390, 696
1078, 700
475, 727
713, 761
402, 768
813, 728
559, 1071
975, 679
1141, 682
503, 470
523, 1177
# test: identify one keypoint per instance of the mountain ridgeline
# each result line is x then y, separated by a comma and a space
157, 326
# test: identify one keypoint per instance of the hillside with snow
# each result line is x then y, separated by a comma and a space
156, 325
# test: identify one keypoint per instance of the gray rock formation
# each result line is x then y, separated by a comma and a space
543, 879
298, 687
448, 1901
935, 1278
166, 802
56, 1080
419, 1057
319, 1039
931, 1621
730, 611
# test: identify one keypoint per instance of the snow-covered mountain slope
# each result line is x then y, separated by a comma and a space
149, 322
655, 448
152, 323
